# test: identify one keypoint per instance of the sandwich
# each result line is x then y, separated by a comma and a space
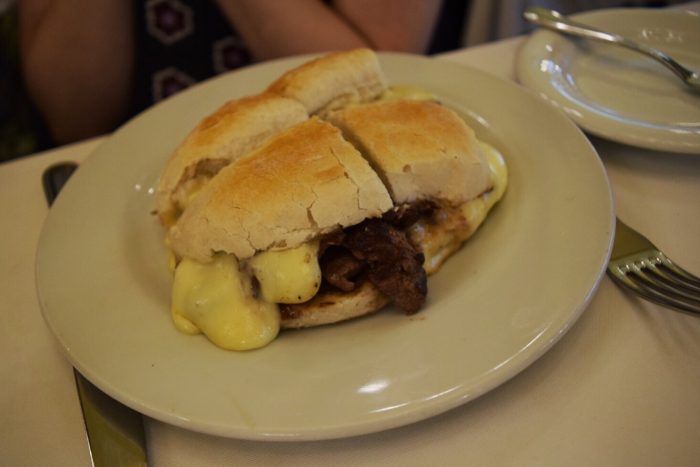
330, 215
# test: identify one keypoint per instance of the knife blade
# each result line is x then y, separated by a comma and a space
115, 432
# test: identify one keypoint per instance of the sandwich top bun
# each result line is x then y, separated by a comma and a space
333, 81
421, 149
235, 129
303, 182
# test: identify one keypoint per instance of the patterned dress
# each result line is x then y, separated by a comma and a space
179, 43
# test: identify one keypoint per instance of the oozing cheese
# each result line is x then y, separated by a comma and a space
455, 224
218, 299
392, 93
476, 210
405, 91
288, 276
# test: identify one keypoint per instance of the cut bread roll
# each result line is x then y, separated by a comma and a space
420, 149
302, 183
234, 130
333, 81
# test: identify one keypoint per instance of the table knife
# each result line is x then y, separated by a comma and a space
115, 432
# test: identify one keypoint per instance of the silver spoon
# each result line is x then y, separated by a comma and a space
556, 21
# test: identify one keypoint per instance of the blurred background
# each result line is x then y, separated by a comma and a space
177, 43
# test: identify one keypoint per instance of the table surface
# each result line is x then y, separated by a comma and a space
621, 388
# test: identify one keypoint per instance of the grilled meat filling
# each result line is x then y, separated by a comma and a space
393, 264
377, 250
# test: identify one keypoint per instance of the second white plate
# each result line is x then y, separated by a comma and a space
619, 94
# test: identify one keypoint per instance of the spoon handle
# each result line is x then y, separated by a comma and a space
551, 19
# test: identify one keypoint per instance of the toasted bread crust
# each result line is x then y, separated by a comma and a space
333, 81
420, 149
333, 307
302, 183
235, 129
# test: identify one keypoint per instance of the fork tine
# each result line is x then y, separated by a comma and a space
664, 297
637, 264
679, 273
648, 274
660, 271
632, 277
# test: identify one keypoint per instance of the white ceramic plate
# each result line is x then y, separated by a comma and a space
615, 93
494, 308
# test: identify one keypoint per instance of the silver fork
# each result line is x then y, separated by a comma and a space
639, 266
555, 21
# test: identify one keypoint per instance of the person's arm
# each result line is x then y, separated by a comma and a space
398, 25
77, 58
274, 28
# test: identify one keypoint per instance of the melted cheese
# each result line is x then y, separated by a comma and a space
392, 93
440, 236
475, 211
288, 276
404, 91
217, 299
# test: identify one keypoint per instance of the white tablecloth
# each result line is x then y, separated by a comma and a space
621, 388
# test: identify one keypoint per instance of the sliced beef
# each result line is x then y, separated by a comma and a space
340, 268
334, 238
393, 264
405, 215
378, 250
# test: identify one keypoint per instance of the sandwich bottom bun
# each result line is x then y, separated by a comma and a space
333, 306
